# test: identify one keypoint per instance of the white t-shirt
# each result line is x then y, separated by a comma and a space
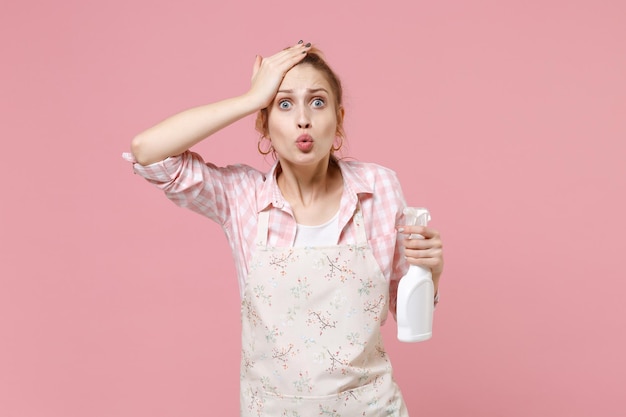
326, 234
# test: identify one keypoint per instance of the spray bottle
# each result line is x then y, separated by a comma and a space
415, 304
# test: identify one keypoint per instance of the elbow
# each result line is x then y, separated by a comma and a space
137, 147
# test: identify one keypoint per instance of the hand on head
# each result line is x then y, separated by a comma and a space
268, 73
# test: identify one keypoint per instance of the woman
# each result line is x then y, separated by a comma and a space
314, 240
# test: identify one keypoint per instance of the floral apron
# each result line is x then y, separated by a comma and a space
311, 341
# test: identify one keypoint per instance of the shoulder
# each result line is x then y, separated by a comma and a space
367, 168
370, 173
378, 187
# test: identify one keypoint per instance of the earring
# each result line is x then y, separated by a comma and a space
335, 149
258, 146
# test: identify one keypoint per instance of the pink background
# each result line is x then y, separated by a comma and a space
505, 118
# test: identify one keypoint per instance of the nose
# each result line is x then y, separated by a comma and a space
304, 120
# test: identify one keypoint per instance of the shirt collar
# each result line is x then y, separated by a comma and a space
270, 193
354, 184
353, 180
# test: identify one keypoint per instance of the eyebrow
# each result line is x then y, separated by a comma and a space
309, 90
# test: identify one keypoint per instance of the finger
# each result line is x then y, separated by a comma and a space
417, 244
433, 264
431, 258
429, 232
290, 56
430, 253
301, 45
426, 232
423, 244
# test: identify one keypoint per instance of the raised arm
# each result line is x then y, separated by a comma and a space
180, 132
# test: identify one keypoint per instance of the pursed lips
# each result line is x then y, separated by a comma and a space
304, 138
304, 143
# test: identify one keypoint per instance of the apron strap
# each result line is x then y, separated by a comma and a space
262, 228
359, 225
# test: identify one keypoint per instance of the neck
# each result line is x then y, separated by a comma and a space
306, 184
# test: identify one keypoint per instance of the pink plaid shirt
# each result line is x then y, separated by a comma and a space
234, 195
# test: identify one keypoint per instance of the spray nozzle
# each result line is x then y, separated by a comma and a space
416, 216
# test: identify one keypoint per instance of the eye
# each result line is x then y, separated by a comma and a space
318, 102
284, 104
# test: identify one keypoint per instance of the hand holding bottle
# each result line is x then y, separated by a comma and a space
425, 252
415, 301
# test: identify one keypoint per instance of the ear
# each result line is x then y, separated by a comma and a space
261, 123
340, 114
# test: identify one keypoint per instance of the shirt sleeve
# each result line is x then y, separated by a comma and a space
191, 183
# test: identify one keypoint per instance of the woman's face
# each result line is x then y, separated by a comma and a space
302, 119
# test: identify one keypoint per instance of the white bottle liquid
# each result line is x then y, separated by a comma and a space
415, 304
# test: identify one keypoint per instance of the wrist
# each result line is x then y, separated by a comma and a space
254, 101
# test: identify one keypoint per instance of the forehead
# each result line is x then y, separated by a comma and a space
304, 76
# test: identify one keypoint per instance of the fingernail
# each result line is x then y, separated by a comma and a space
400, 229
308, 45
300, 41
